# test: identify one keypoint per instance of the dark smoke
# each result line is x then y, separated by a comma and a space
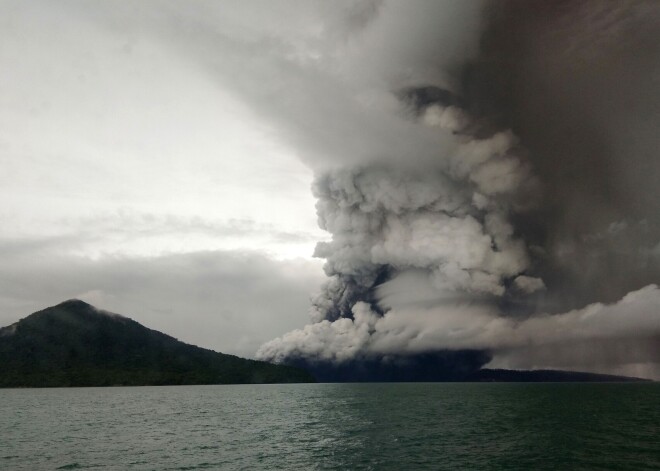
579, 83
527, 229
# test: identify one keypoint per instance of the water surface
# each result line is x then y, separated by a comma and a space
333, 426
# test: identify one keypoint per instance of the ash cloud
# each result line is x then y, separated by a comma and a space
439, 210
527, 226
622, 337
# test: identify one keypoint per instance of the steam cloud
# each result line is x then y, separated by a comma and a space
488, 174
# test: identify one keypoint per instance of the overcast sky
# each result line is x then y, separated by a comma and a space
132, 180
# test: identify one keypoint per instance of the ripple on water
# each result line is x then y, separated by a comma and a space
330, 426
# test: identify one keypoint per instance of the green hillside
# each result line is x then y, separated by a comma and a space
74, 344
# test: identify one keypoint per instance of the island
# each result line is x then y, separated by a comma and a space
76, 344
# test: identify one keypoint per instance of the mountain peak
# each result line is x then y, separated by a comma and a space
74, 303
77, 307
76, 344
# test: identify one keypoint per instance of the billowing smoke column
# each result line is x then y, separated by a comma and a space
449, 218
442, 226
528, 235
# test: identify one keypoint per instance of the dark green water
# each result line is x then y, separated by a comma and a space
334, 426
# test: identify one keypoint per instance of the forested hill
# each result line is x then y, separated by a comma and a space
75, 344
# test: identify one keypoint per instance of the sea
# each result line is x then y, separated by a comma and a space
375, 426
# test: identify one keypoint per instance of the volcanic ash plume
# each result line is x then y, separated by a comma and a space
497, 234
440, 229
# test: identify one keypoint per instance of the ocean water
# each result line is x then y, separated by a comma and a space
436, 426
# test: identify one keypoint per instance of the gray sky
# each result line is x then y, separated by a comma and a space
133, 181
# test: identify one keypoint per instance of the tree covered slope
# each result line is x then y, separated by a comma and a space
75, 344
